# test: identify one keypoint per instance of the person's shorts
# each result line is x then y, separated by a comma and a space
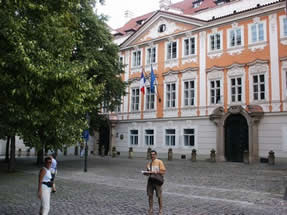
151, 187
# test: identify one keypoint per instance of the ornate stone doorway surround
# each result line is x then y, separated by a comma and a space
252, 114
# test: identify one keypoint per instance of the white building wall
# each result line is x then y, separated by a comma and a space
205, 136
2, 147
272, 135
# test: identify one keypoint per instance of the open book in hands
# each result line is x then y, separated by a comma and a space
145, 171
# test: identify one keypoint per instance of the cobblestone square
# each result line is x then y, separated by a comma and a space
116, 186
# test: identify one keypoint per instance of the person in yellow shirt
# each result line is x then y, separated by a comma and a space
155, 166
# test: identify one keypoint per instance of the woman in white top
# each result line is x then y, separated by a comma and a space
53, 171
44, 187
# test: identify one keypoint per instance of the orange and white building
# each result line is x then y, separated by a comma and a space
221, 80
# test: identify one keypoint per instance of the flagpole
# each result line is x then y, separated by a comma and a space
155, 92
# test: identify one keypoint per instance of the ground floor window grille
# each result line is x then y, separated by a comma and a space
134, 137
170, 137
188, 135
149, 137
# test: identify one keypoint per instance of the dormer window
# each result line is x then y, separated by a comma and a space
162, 28
140, 22
196, 3
220, 2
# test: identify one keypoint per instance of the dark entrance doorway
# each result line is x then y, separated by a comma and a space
104, 138
236, 137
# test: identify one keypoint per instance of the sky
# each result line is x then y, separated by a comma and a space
115, 9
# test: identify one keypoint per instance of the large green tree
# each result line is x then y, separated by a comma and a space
57, 64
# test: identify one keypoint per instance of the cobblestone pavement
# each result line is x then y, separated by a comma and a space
115, 186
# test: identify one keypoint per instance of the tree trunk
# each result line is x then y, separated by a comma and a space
12, 160
40, 156
40, 152
7, 149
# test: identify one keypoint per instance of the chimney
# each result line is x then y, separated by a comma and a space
164, 4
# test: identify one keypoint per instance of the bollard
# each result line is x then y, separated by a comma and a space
193, 155
246, 157
114, 152
19, 152
131, 153
76, 150
169, 154
102, 150
148, 156
28, 152
213, 155
271, 158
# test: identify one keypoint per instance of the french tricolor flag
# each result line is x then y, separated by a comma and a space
142, 82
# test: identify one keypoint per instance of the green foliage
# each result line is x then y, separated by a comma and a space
57, 64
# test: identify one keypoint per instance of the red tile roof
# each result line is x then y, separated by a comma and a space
186, 6
132, 24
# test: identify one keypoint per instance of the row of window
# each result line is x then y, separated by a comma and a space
257, 34
170, 137
189, 92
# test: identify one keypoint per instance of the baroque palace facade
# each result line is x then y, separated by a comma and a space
221, 80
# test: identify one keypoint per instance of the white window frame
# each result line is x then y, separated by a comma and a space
135, 62
236, 87
183, 93
148, 93
213, 76
133, 137
259, 83
236, 72
133, 105
183, 137
149, 137
221, 41
169, 102
149, 58
229, 37
171, 136
257, 23
167, 51
215, 88
122, 59
118, 108
282, 29
195, 46
258, 69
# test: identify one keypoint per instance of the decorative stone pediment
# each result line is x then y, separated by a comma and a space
215, 74
236, 70
160, 25
189, 73
163, 27
135, 82
258, 66
171, 76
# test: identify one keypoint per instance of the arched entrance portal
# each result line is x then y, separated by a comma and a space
236, 137
236, 129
